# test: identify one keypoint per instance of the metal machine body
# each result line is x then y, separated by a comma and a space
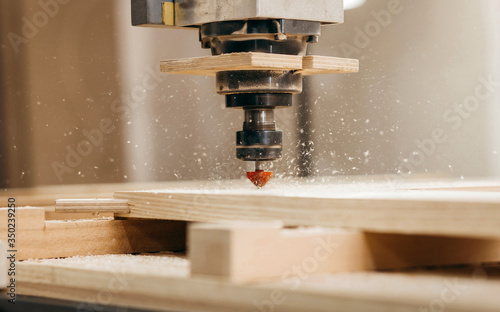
231, 26
188, 13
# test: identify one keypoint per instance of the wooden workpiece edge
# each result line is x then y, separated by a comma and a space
92, 205
317, 65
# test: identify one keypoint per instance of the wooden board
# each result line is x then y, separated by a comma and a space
210, 65
308, 65
38, 238
162, 282
45, 196
249, 251
318, 65
92, 205
371, 206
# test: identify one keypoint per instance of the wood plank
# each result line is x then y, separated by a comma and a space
51, 214
45, 196
50, 239
250, 251
92, 205
210, 65
307, 65
29, 218
377, 207
319, 65
163, 283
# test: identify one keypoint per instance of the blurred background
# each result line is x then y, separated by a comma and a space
80, 80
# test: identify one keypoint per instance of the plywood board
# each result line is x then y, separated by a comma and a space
370, 206
38, 238
210, 65
45, 196
92, 205
163, 283
307, 65
250, 251
318, 65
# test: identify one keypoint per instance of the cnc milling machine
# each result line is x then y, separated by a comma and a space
283, 27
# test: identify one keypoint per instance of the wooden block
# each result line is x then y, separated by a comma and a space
374, 207
3, 265
92, 205
28, 218
317, 65
249, 251
163, 283
50, 239
210, 65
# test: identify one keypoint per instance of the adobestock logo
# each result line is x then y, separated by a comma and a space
363, 36
454, 118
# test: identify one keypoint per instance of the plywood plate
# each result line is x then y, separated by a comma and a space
162, 282
379, 206
308, 65
210, 65
318, 65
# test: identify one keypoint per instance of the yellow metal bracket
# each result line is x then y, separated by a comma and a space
168, 13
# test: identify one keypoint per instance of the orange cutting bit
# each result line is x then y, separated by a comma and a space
259, 177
